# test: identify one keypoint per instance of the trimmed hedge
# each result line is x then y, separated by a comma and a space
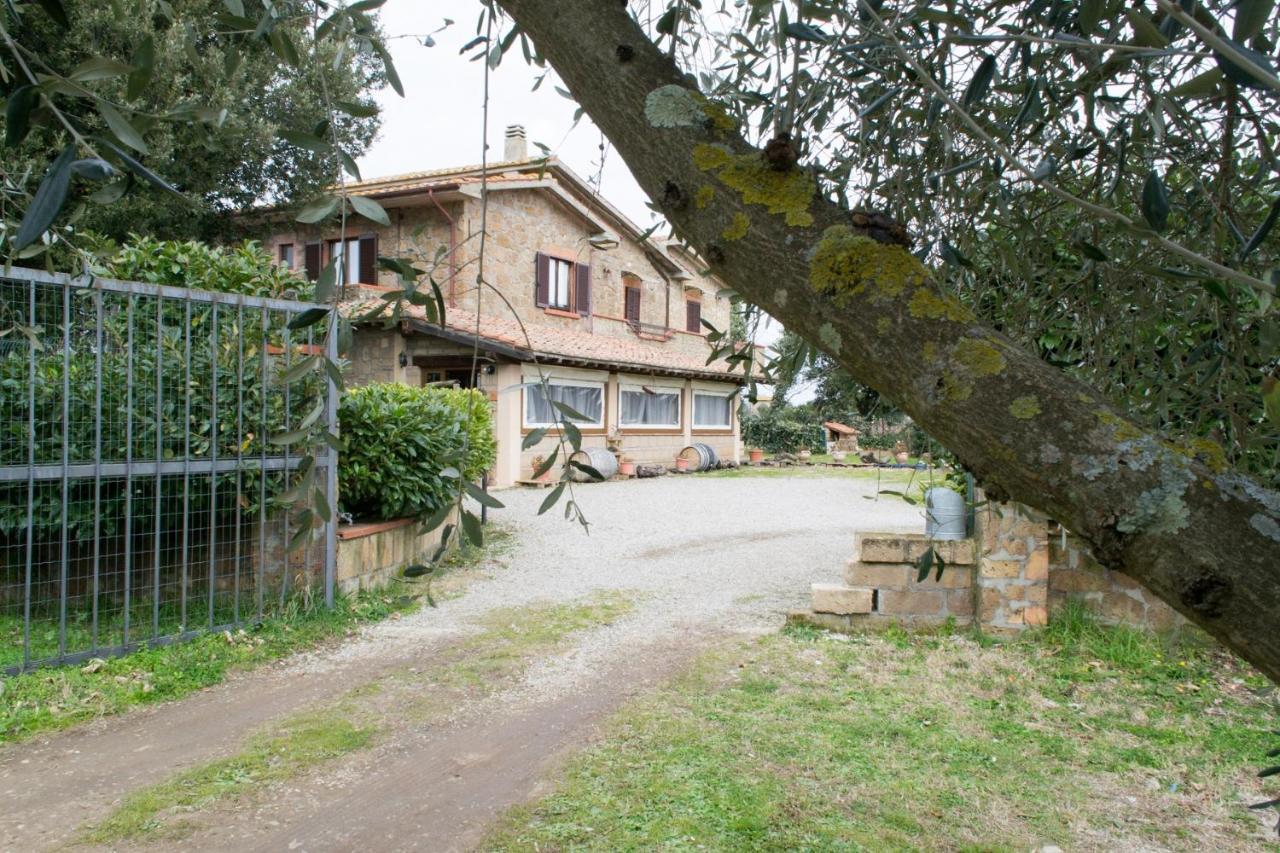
777, 430
399, 438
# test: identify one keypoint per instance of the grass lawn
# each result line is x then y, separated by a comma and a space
1081, 737
46, 700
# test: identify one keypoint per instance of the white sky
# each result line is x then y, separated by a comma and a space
438, 123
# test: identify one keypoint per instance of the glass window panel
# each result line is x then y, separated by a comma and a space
642, 408
560, 276
711, 410
587, 400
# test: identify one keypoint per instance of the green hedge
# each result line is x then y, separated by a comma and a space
398, 441
777, 429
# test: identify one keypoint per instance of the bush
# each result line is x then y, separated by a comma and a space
781, 429
398, 440
247, 268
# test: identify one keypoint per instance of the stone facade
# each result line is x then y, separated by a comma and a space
1017, 570
369, 555
535, 208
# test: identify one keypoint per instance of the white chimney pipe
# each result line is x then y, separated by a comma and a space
517, 147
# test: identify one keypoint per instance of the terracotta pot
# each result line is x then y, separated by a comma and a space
682, 464
805, 455
627, 468
755, 455
837, 456
902, 456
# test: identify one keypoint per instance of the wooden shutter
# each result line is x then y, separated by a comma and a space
368, 271
542, 280
632, 309
312, 253
693, 315
582, 298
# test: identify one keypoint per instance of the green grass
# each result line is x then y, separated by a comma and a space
295, 745
46, 700
1080, 736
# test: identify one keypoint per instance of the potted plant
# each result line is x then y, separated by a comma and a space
538, 462
682, 464
900, 452
804, 454
837, 455
756, 455
626, 466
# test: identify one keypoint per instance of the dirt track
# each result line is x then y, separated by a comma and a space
702, 559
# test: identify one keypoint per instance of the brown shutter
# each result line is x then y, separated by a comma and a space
693, 315
313, 261
632, 310
368, 271
583, 296
542, 280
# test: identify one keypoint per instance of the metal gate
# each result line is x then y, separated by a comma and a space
145, 461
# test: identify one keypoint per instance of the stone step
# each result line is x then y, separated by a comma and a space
841, 599
909, 547
903, 576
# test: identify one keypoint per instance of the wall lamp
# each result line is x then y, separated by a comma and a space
404, 360
603, 240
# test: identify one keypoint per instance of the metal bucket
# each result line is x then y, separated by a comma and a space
596, 457
945, 514
701, 457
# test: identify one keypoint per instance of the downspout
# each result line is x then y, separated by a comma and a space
453, 249
653, 259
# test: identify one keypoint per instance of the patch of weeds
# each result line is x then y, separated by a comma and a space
297, 744
806, 740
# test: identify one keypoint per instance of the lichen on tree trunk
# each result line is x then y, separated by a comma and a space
1203, 538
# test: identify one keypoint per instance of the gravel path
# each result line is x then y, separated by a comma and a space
703, 558
702, 554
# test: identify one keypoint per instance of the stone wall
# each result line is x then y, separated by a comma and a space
370, 554
1017, 570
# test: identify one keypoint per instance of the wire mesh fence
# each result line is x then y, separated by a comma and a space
142, 474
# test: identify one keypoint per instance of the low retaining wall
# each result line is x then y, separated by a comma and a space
370, 554
1013, 574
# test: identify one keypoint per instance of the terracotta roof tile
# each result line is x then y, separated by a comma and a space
555, 343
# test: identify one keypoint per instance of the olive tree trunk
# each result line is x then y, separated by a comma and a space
1200, 536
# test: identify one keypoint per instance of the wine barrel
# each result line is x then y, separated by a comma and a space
701, 457
598, 458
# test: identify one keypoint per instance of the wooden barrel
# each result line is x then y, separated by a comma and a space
701, 457
595, 457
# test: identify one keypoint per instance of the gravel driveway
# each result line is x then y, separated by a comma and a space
702, 557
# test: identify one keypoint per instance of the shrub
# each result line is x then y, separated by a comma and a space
247, 268
780, 429
398, 441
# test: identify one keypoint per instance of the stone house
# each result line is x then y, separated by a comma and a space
575, 293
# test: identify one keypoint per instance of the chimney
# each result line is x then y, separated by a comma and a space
517, 147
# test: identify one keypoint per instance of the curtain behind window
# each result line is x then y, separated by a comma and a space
658, 409
585, 399
710, 410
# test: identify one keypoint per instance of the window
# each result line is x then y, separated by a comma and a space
712, 411
357, 259
631, 308
585, 398
645, 406
286, 255
347, 254
561, 274
692, 316
562, 284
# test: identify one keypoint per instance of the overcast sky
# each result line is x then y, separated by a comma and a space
438, 122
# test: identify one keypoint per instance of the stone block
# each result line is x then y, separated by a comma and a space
879, 575
1036, 615
829, 621
1078, 580
915, 602
1037, 566
989, 605
957, 552
880, 548
839, 599
960, 604
1119, 608
1036, 593
1000, 568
